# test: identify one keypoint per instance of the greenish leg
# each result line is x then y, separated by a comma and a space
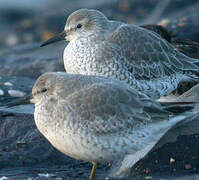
92, 175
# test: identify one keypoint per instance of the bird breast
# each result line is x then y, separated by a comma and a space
82, 57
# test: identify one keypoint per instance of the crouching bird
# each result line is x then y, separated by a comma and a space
99, 119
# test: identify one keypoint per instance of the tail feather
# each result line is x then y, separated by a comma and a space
187, 47
178, 107
123, 166
188, 63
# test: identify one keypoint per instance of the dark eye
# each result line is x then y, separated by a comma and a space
43, 90
79, 26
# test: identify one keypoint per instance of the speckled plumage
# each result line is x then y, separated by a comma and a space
98, 119
126, 52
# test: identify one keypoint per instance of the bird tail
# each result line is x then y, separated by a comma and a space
184, 111
184, 116
187, 104
187, 47
185, 128
178, 107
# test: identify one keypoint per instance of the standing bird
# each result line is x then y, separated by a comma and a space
138, 56
98, 119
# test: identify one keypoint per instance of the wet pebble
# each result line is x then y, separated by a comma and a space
1, 92
187, 166
14, 87
172, 160
45, 175
16, 93
3, 178
8, 84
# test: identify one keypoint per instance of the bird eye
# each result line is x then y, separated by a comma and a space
43, 90
79, 26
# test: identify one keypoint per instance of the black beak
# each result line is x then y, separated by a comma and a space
20, 101
56, 38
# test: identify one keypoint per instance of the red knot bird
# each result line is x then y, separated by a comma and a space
140, 57
99, 119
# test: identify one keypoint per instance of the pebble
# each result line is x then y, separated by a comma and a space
3, 178
8, 84
172, 160
1, 92
16, 93
187, 166
45, 175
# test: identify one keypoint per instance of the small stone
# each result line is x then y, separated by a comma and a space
187, 166
45, 175
11, 40
172, 160
3, 178
193, 157
148, 177
8, 84
20, 144
1, 92
16, 93
164, 22
147, 170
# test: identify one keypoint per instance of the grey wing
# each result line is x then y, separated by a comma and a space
147, 54
107, 109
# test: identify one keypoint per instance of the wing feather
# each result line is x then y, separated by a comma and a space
147, 54
108, 108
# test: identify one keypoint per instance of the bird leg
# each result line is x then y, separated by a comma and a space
92, 175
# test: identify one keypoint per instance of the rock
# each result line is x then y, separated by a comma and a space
31, 60
14, 87
188, 47
183, 26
